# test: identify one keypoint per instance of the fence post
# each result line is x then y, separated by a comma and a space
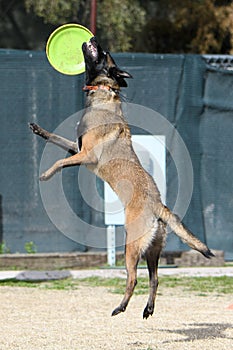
1, 221
111, 245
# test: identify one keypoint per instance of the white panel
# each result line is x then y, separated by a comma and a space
151, 151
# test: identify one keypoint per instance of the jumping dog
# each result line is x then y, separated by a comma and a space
104, 146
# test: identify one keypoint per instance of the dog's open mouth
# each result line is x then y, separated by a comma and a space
91, 49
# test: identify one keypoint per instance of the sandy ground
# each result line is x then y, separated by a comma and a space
79, 319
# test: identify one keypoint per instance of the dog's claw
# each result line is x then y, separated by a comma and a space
146, 314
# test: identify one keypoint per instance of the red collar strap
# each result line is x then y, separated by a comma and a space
87, 88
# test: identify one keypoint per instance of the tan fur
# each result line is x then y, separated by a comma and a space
107, 151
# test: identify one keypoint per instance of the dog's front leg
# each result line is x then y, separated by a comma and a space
80, 158
57, 140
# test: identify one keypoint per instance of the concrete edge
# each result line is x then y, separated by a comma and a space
39, 276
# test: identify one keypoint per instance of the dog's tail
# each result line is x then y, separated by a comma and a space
186, 236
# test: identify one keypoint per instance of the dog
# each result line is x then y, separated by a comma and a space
104, 146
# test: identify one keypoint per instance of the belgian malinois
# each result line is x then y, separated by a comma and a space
104, 146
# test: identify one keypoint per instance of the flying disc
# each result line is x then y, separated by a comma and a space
64, 48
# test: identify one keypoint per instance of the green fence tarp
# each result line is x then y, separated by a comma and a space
195, 99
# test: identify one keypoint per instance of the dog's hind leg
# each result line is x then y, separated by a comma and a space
132, 255
152, 257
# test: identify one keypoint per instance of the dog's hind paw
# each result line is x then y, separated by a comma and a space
118, 310
148, 311
208, 254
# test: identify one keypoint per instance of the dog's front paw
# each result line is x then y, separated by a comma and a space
45, 176
37, 130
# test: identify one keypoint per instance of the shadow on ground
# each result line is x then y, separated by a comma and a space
200, 331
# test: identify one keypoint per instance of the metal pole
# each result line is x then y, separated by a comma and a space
111, 245
93, 16
1, 221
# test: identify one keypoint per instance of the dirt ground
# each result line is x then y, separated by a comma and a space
79, 319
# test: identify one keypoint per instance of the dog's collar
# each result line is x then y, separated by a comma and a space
87, 88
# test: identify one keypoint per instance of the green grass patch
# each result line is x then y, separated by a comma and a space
199, 285
15, 283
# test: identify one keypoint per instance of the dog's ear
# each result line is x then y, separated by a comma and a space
119, 76
116, 73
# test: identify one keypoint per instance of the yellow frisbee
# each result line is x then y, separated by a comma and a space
64, 48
